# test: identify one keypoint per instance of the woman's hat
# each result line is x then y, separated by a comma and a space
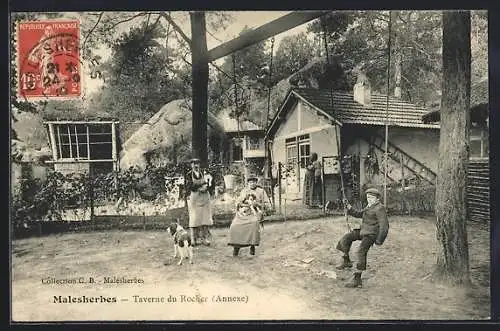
252, 179
373, 191
194, 160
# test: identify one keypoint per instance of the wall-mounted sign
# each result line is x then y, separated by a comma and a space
331, 165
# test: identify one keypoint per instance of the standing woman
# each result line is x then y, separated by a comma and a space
198, 187
313, 188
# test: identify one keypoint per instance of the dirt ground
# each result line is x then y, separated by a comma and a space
289, 278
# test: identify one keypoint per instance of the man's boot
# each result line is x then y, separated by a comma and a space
346, 263
356, 281
252, 250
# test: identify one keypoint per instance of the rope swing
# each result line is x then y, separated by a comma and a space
266, 119
386, 161
236, 107
337, 136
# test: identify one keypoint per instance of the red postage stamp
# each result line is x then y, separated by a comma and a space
48, 58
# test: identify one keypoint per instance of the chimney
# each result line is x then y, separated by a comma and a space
362, 90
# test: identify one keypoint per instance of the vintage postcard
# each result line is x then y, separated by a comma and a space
249, 166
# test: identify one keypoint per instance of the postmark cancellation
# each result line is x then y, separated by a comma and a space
48, 59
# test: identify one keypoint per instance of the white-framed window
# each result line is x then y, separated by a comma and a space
291, 153
298, 149
83, 141
479, 143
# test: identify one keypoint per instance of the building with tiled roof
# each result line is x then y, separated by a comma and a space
342, 107
350, 126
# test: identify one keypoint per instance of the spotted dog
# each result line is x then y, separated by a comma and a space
182, 242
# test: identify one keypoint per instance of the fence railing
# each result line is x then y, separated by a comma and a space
160, 190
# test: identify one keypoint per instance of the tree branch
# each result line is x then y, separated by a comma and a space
176, 27
101, 14
213, 36
127, 20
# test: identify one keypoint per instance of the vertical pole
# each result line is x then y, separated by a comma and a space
53, 141
59, 141
279, 186
91, 193
323, 190
402, 182
199, 86
70, 147
113, 145
386, 162
88, 143
77, 145
114, 155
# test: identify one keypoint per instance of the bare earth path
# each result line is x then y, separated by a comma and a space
275, 284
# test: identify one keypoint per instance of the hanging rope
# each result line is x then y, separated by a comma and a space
236, 108
266, 120
337, 137
269, 83
386, 165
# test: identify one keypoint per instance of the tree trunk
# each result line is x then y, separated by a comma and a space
199, 53
451, 204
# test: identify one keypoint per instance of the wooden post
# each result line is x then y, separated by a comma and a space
59, 141
279, 186
69, 140
91, 193
113, 143
269, 170
88, 143
402, 182
323, 190
199, 86
53, 141
77, 145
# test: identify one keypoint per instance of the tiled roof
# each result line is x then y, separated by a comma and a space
479, 96
346, 110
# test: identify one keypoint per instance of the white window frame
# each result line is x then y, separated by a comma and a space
70, 132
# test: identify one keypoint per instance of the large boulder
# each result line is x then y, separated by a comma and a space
170, 126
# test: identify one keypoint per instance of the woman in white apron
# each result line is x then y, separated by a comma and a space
198, 186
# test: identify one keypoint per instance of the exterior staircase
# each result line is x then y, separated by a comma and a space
409, 162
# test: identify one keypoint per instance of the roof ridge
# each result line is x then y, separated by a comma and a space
342, 92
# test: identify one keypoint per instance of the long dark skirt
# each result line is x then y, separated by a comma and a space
244, 231
313, 190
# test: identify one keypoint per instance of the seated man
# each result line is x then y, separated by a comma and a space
374, 230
